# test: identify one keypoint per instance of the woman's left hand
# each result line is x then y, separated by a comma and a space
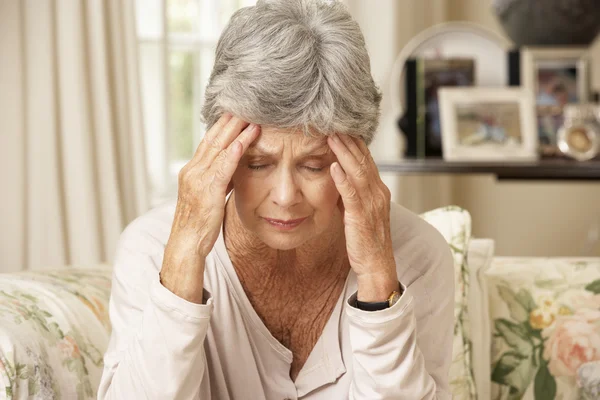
365, 205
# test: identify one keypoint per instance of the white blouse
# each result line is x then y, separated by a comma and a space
164, 347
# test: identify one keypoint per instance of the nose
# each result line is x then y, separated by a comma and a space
285, 192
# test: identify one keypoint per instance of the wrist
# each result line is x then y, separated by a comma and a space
189, 288
186, 243
182, 273
377, 287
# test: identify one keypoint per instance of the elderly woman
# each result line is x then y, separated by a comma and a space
283, 271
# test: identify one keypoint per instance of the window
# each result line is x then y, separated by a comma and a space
177, 40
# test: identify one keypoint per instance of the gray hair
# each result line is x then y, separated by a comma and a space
299, 64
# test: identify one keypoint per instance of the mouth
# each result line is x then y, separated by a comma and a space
285, 224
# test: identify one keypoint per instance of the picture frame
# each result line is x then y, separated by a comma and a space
488, 124
557, 76
421, 121
554, 60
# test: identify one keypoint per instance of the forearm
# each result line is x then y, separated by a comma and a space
163, 356
182, 271
387, 361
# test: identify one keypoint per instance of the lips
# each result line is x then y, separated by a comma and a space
285, 225
286, 222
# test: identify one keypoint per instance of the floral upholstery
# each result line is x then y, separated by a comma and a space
588, 379
54, 329
454, 224
546, 327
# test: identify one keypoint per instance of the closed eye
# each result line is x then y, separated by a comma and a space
312, 169
260, 167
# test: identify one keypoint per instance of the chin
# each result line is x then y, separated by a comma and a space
283, 241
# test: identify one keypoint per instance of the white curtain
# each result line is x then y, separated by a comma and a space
388, 25
72, 163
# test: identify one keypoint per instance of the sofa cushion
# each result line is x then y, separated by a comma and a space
54, 329
546, 325
454, 224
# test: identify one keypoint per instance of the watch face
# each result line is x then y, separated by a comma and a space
394, 298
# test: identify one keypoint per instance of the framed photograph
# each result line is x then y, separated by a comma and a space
437, 73
557, 77
421, 121
488, 124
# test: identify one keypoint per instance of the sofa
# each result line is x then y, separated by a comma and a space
524, 327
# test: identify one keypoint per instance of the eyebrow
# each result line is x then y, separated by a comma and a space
317, 151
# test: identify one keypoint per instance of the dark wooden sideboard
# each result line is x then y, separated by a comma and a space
555, 169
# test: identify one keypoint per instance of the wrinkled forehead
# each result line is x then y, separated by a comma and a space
273, 140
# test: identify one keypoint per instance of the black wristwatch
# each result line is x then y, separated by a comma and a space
392, 299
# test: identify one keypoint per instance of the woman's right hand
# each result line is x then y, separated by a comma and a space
204, 183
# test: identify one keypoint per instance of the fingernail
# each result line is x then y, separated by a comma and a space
337, 173
335, 138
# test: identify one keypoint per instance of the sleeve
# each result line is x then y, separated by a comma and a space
156, 346
405, 351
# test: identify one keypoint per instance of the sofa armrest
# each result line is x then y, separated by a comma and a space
479, 260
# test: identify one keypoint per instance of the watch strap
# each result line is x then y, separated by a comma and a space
361, 305
392, 299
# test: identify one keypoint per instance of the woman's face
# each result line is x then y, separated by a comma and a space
284, 176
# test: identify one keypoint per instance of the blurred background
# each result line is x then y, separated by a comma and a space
100, 108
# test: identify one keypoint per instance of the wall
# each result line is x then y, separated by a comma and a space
525, 218
528, 218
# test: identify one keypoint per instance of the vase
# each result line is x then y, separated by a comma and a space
550, 22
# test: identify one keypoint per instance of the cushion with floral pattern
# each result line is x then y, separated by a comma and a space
546, 324
54, 329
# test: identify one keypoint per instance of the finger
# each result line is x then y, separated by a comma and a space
212, 132
370, 161
218, 126
227, 162
356, 171
359, 148
362, 154
248, 135
348, 192
350, 143
365, 150
245, 139
225, 137
210, 148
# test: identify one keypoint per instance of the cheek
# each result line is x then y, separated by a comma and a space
323, 194
246, 185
